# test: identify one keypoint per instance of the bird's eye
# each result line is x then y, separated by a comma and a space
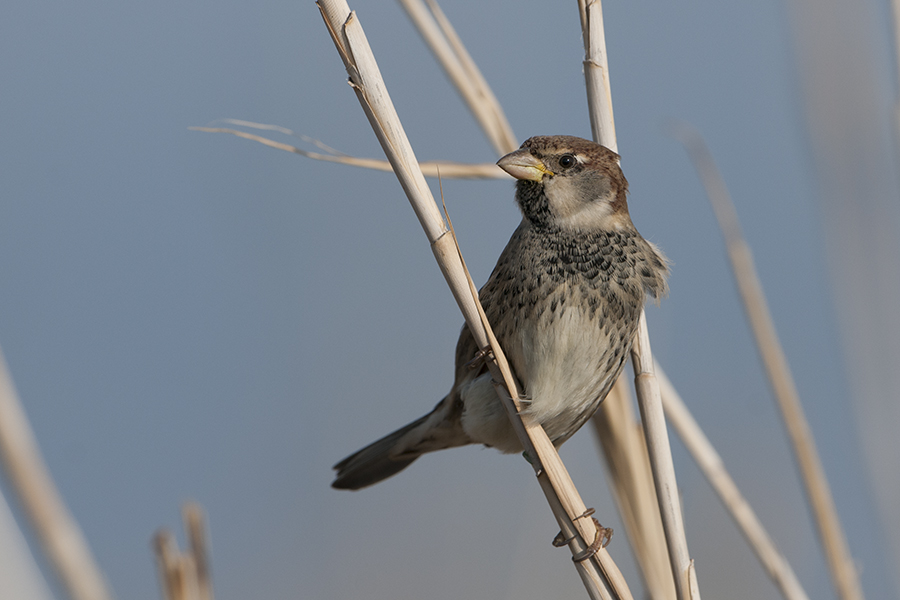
566, 161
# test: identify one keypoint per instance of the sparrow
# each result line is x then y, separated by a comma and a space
564, 302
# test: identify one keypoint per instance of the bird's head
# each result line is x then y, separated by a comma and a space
569, 183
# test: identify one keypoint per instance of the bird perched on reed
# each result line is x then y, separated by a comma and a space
564, 302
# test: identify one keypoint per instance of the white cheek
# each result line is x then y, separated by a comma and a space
573, 212
594, 215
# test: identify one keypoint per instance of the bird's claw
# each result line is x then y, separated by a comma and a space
602, 537
481, 357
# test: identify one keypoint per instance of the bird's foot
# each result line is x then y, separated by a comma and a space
481, 357
602, 537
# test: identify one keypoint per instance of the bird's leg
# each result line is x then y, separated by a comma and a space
601, 538
481, 358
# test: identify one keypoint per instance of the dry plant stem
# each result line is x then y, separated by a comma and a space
184, 575
284, 130
506, 140
195, 525
646, 386
462, 72
596, 74
167, 565
59, 534
177, 571
837, 553
628, 469
447, 170
660, 452
713, 468
598, 572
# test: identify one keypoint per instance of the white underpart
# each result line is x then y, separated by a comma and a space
563, 376
563, 362
484, 418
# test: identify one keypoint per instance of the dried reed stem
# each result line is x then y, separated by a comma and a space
195, 526
834, 542
615, 421
596, 72
462, 71
446, 169
60, 537
662, 465
599, 574
184, 575
176, 571
628, 470
713, 468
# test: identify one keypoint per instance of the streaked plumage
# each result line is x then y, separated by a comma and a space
563, 300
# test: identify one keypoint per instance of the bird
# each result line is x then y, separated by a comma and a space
564, 302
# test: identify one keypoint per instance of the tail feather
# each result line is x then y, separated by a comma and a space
374, 462
394, 452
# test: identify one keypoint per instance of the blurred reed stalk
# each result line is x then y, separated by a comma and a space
185, 575
60, 537
598, 572
462, 71
837, 553
713, 468
599, 95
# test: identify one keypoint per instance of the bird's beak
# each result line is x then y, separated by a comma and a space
522, 164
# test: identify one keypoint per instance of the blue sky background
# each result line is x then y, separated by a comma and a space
194, 316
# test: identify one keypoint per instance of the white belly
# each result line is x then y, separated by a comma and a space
564, 365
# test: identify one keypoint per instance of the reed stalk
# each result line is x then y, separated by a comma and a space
60, 538
596, 72
445, 169
461, 70
710, 463
184, 575
818, 493
624, 451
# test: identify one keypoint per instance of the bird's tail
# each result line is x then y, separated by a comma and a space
374, 462
394, 452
